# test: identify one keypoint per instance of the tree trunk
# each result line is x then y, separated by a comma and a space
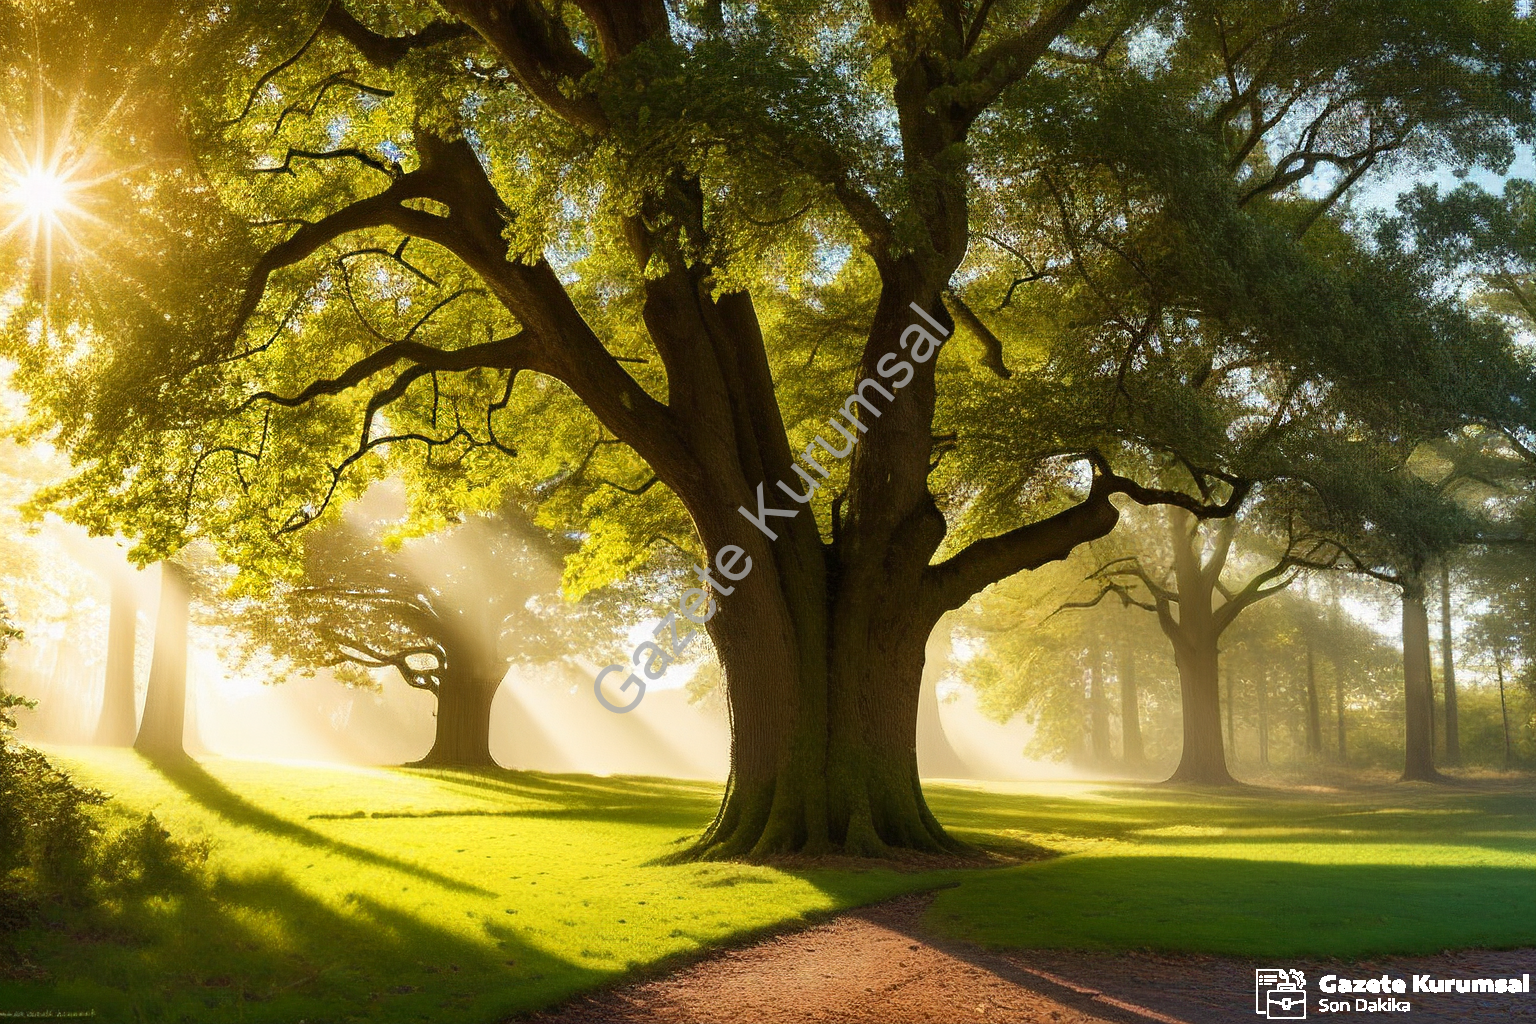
1418, 691
1448, 669
1498, 665
1263, 685
1203, 760
1338, 705
165, 705
1231, 726
1131, 749
119, 711
463, 734
1098, 708
938, 758
1314, 713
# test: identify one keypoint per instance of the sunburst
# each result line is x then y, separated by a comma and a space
44, 191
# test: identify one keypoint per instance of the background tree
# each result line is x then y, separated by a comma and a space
449, 613
1197, 590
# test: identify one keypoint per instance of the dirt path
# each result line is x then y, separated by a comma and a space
877, 966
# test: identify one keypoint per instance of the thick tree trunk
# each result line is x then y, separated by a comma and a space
1448, 669
463, 734
165, 705
1418, 691
119, 712
1203, 760
1098, 709
1314, 712
1131, 748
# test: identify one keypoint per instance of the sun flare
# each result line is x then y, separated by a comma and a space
38, 194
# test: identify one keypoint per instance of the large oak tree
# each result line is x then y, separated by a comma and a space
632, 254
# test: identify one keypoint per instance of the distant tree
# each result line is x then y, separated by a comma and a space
163, 725
1191, 581
449, 613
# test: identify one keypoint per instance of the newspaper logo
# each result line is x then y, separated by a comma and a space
1279, 994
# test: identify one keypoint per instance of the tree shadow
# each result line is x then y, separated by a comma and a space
261, 948
193, 780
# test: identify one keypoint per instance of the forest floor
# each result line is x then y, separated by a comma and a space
368, 894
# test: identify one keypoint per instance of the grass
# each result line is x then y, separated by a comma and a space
367, 894
1255, 873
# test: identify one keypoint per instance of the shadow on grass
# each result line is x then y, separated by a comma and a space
193, 780
1242, 907
262, 949
1500, 819
644, 800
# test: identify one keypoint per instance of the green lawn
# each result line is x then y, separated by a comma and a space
1263, 873
343, 894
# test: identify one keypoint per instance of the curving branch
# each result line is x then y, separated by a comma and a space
992, 346
321, 89
347, 153
381, 50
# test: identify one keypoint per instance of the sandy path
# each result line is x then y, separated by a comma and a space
877, 966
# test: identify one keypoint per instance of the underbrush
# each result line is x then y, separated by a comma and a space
63, 845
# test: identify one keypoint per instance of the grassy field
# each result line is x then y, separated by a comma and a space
1261, 872
355, 894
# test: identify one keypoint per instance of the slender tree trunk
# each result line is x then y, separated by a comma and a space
937, 755
1338, 706
1098, 708
1448, 669
1314, 713
119, 712
463, 734
1498, 665
165, 705
1418, 690
1130, 707
1231, 724
1263, 685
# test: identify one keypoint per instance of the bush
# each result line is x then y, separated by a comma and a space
56, 844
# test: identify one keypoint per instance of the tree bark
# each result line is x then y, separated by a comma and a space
119, 708
1203, 760
1448, 669
1418, 691
1314, 713
165, 705
1131, 749
463, 734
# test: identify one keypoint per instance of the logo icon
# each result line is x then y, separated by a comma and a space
1280, 994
